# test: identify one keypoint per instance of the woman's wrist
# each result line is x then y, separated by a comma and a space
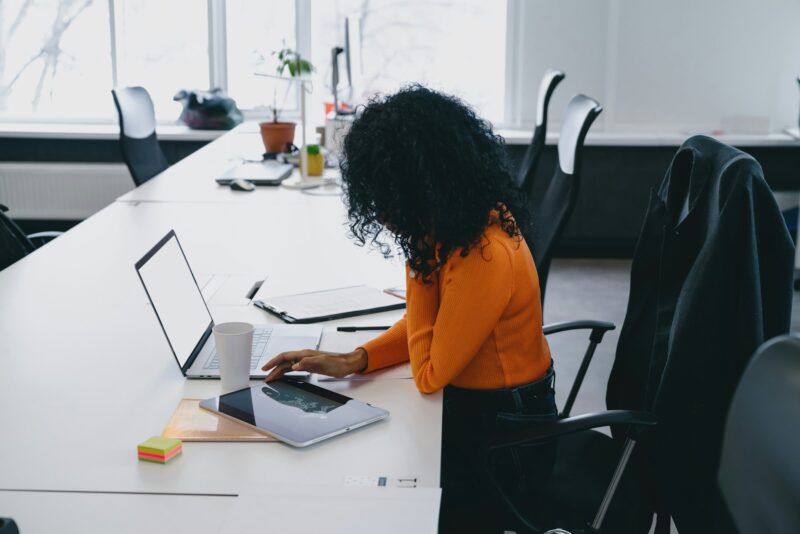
357, 360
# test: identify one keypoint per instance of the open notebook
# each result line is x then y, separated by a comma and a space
330, 304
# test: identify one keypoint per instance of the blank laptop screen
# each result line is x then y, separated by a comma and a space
176, 298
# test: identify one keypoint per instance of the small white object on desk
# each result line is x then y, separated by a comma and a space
234, 344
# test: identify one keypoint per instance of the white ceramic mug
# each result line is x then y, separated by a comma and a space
234, 348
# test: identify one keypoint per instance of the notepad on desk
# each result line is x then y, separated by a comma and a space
330, 304
336, 341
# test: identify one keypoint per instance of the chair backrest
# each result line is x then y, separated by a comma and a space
551, 210
137, 133
759, 472
530, 162
14, 244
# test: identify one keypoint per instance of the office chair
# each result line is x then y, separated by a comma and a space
137, 133
759, 472
551, 210
14, 244
8, 526
676, 366
530, 162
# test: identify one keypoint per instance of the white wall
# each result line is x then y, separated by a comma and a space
664, 65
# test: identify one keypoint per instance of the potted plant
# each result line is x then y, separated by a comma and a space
277, 135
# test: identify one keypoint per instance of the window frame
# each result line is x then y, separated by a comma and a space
218, 65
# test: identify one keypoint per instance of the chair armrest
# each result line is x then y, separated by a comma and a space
598, 328
570, 425
40, 238
44, 235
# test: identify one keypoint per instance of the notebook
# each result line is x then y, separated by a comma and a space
330, 304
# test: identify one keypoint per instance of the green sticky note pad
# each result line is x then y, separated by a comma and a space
159, 445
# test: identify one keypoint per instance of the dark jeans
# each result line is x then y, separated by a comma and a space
469, 503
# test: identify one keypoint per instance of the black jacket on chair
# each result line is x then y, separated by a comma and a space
711, 280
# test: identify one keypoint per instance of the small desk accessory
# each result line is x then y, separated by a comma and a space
159, 449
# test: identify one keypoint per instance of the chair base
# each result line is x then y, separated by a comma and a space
573, 493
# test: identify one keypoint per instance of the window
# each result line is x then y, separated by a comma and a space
254, 30
441, 44
162, 46
55, 59
60, 58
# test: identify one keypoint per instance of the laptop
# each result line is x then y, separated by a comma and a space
186, 321
267, 173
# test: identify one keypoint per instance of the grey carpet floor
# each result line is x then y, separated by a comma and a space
592, 289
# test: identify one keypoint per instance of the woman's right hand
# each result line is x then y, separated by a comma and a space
335, 364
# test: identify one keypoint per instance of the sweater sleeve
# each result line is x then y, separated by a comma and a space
447, 326
390, 348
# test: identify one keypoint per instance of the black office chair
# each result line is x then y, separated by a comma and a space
14, 244
759, 472
597, 483
530, 162
798, 118
551, 210
137, 133
8, 526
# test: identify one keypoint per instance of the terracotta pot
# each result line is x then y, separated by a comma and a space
277, 136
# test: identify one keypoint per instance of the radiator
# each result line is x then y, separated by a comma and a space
63, 191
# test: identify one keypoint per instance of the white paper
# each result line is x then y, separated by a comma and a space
331, 302
335, 341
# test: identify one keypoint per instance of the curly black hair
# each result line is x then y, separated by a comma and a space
424, 167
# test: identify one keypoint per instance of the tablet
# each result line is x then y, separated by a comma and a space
294, 411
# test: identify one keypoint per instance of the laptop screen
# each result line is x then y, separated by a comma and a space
174, 294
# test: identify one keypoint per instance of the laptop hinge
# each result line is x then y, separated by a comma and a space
197, 349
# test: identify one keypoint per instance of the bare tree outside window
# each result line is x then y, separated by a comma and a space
44, 51
457, 46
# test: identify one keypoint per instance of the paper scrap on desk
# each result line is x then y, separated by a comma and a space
335, 341
402, 371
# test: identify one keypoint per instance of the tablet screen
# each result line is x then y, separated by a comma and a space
294, 410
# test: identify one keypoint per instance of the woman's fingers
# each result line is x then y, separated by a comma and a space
311, 361
324, 364
278, 371
284, 357
312, 364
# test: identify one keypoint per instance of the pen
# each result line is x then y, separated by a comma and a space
359, 328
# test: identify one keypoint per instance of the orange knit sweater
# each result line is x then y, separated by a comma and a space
477, 325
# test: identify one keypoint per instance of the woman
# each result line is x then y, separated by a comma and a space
421, 168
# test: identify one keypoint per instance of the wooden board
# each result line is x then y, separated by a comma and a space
191, 423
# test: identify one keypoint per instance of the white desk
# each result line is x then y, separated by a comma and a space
87, 373
45, 513
284, 510
193, 179
655, 138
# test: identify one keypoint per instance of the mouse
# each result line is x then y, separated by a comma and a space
242, 185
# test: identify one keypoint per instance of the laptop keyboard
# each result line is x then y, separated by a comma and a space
260, 341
